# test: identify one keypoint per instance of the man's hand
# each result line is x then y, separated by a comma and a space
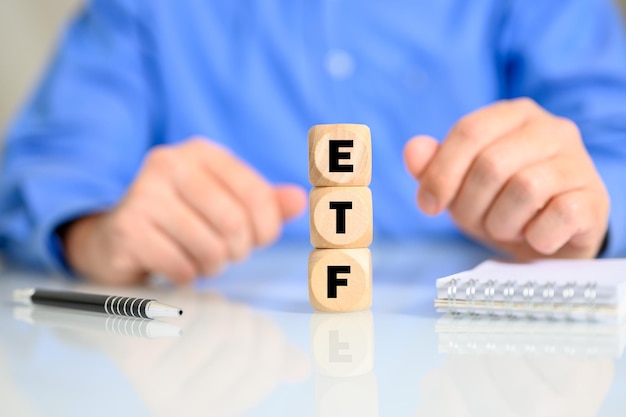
517, 178
193, 208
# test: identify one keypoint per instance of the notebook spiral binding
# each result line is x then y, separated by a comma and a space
533, 294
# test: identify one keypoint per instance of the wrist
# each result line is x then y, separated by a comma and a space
76, 239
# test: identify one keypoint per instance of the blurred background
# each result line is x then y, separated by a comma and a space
28, 32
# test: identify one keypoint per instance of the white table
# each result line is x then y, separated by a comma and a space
251, 345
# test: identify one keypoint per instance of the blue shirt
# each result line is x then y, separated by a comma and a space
255, 75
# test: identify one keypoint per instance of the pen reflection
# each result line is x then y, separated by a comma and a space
80, 322
501, 367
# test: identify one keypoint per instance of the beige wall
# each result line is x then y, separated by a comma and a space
28, 30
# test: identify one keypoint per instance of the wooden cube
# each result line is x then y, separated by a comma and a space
356, 396
341, 217
343, 344
340, 154
340, 280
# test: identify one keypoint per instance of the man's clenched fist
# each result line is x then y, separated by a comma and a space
517, 178
193, 208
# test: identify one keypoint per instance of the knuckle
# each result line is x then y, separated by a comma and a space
490, 168
567, 210
541, 244
182, 272
162, 159
214, 253
436, 180
467, 220
232, 220
259, 194
240, 253
214, 256
142, 193
269, 233
122, 224
567, 129
471, 129
495, 230
525, 187
525, 103
196, 189
160, 154
121, 262
218, 254
462, 219
196, 143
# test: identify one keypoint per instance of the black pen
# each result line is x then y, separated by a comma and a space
107, 304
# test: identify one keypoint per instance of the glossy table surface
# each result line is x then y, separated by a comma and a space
249, 344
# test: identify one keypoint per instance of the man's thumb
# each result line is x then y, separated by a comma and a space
417, 154
292, 200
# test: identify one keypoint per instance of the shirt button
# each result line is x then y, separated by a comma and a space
339, 64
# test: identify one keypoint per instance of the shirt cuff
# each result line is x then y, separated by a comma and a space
612, 173
59, 196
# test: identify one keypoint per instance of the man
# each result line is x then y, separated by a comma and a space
156, 141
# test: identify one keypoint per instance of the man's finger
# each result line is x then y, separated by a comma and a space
204, 244
494, 166
292, 200
418, 152
566, 216
220, 210
159, 254
246, 185
528, 192
444, 175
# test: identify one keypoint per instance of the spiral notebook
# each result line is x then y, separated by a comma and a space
557, 289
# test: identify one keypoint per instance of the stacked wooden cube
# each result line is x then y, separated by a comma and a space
340, 170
